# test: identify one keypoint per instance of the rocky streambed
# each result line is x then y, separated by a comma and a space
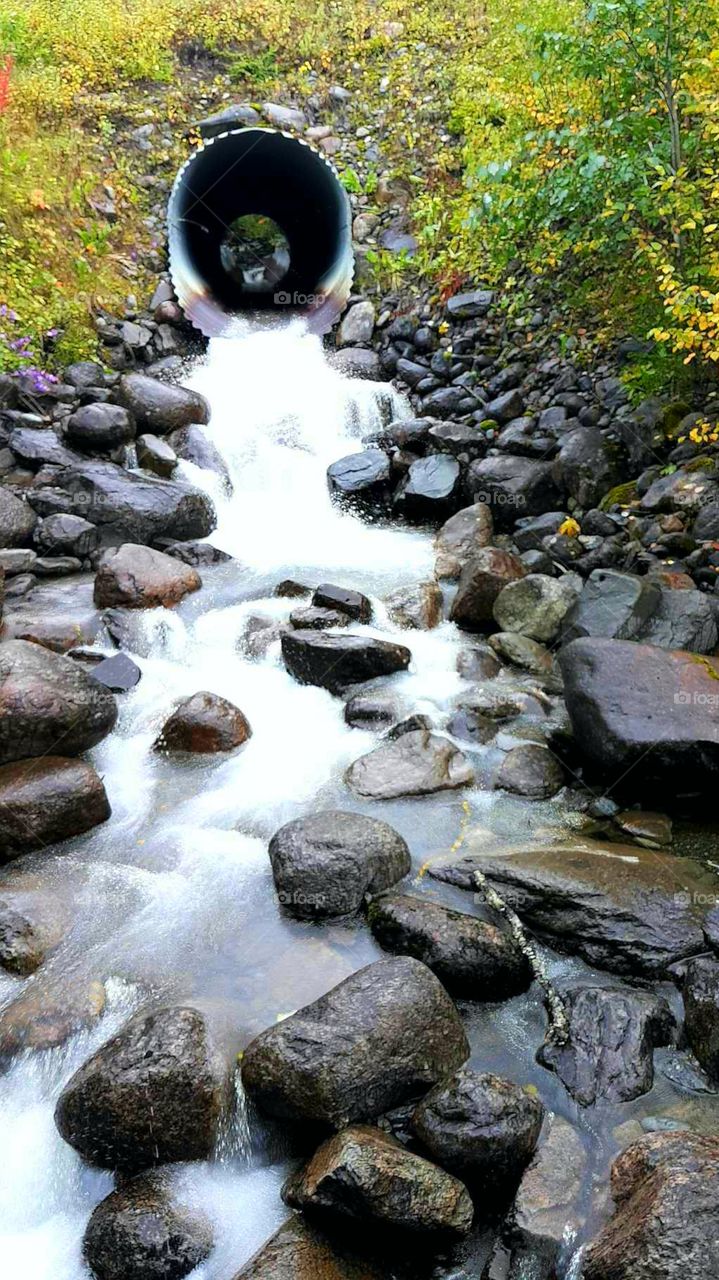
333, 711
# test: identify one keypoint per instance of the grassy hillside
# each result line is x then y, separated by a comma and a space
583, 147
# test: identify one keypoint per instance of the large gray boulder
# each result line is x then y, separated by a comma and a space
665, 1224
471, 957
47, 800
587, 466
100, 428
622, 907
366, 1176
683, 620
382, 1037
614, 605
481, 1126
323, 865
159, 407
49, 704
513, 487
549, 1205
128, 507
152, 1094
651, 710
142, 1231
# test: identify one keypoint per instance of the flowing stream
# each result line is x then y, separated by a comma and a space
173, 899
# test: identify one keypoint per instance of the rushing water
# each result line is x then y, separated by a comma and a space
173, 898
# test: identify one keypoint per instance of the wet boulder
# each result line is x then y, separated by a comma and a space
382, 1037
156, 455
614, 605
152, 1094
360, 479
461, 537
513, 487
44, 1017
430, 488
367, 1176
701, 1004
522, 652
480, 1126
299, 1251
665, 1225
480, 582
310, 618
47, 702
17, 520
536, 605
415, 764
612, 1035
136, 577
622, 907
418, 607
682, 620
532, 770
651, 710
143, 1231
158, 407
48, 800
125, 505
587, 466
324, 864
192, 444
27, 936
335, 662
100, 428
354, 604
548, 1207
35, 447
204, 723
471, 957
66, 536
118, 673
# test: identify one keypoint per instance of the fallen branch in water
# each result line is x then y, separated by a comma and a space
558, 1023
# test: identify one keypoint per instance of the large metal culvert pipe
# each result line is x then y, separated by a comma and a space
259, 225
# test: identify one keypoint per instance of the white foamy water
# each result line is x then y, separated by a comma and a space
172, 899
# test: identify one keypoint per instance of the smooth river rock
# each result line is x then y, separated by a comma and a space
651, 711
480, 582
335, 662
46, 800
142, 1231
461, 537
204, 723
416, 764
136, 577
471, 957
622, 907
159, 407
152, 1094
324, 864
299, 1251
382, 1037
48, 704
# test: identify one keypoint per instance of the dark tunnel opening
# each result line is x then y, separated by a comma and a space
259, 223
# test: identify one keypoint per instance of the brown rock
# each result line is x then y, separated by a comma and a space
43, 1018
47, 800
204, 723
480, 582
48, 704
459, 540
299, 1251
136, 577
419, 606
363, 1174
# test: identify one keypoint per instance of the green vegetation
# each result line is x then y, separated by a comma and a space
581, 149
